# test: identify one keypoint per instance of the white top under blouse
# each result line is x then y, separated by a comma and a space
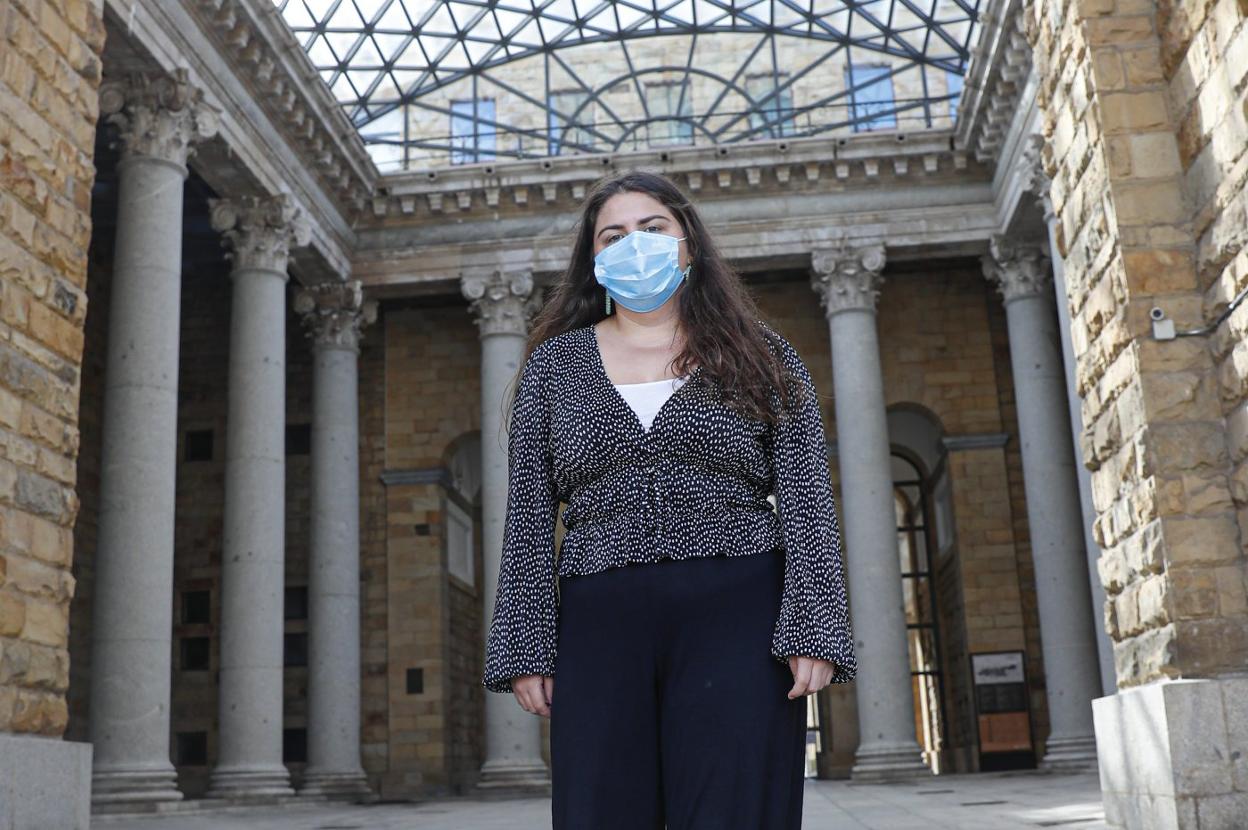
648, 398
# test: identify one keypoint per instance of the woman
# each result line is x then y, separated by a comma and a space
688, 618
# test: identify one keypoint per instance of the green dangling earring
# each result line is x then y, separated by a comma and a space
608, 301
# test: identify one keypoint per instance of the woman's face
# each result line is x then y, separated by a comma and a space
624, 213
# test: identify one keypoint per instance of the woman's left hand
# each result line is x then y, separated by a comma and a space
810, 674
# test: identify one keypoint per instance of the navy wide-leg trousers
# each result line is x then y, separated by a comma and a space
668, 708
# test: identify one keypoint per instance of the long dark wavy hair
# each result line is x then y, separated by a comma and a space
717, 314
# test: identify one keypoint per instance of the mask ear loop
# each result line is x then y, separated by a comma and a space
688, 267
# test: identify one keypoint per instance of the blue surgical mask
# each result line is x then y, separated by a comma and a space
642, 270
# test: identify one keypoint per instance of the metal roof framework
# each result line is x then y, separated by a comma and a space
384, 59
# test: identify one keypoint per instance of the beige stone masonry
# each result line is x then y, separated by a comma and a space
49, 77
1145, 129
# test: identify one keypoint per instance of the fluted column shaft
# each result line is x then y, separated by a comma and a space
847, 281
334, 315
249, 757
502, 303
1068, 645
131, 628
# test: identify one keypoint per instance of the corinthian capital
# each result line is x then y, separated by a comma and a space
1032, 174
1017, 269
847, 277
159, 116
335, 313
502, 302
260, 230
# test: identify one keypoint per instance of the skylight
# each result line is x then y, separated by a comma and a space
437, 82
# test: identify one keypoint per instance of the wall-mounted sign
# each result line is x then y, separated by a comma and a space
1003, 713
998, 667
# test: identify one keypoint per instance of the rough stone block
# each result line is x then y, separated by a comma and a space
1206, 540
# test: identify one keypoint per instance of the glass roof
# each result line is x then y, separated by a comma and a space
435, 82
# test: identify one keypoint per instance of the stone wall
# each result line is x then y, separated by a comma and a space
374, 717
49, 76
1144, 118
431, 622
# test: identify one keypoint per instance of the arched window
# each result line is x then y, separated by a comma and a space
911, 495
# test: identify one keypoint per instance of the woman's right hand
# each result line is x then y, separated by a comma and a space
534, 692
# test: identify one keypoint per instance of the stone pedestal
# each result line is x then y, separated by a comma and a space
1173, 755
132, 622
44, 782
502, 304
334, 314
253, 579
847, 281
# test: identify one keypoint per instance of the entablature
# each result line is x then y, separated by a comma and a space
777, 166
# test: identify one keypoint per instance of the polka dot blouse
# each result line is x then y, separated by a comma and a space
696, 483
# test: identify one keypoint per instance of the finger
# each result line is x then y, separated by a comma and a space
549, 683
801, 682
536, 698
531, 695
520, 697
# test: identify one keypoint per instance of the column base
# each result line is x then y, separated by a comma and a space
514, 778
338, 786
246, 783
1076, 753
132, 789
888, 762
1171, 754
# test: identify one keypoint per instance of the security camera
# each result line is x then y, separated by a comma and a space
1163, 329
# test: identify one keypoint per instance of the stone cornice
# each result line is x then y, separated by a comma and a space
562, 181
975, 441
254, 36
417, 476
1000, 64
758, 232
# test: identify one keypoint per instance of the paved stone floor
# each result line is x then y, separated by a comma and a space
994, 801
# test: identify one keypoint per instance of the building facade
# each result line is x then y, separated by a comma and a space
266, 271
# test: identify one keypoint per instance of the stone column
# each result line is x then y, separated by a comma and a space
249, 757
1032, 171
160, 118
1072, 673
334, 313
502, 303
847, 282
